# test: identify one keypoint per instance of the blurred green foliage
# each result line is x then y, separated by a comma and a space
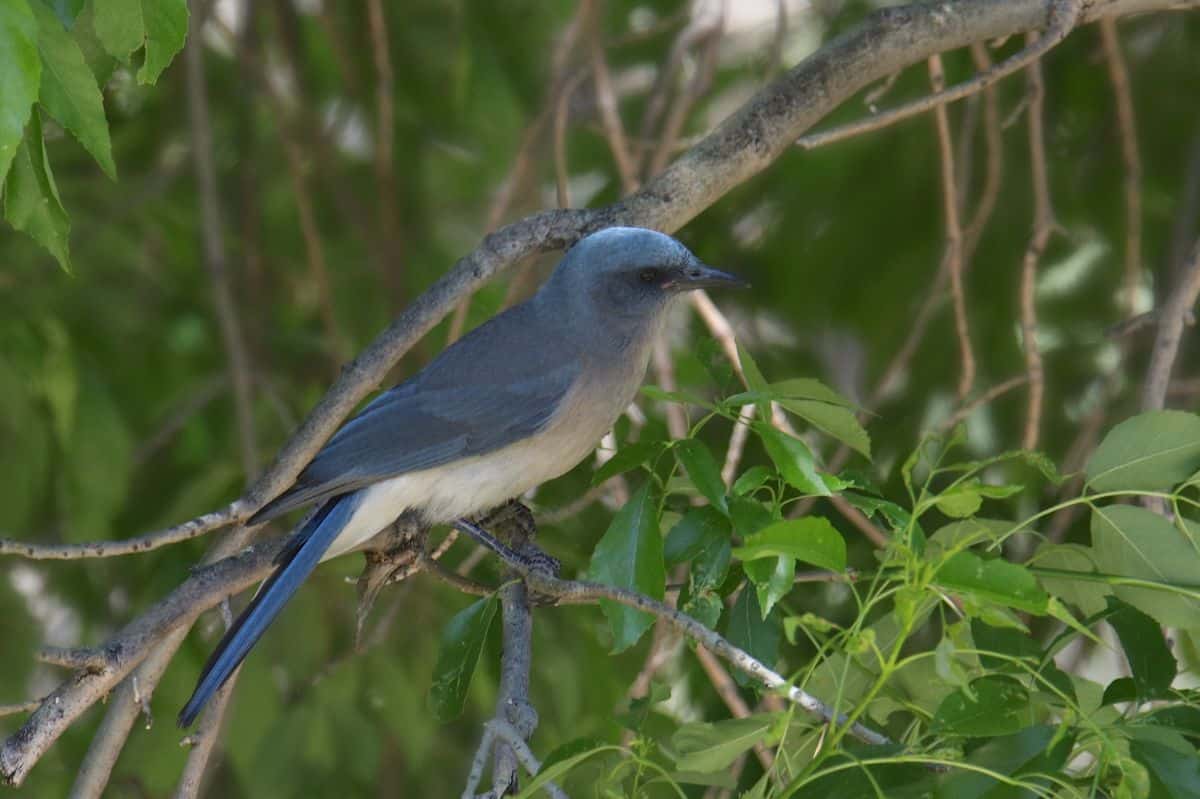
116, 415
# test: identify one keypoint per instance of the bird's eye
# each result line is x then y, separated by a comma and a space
648, 276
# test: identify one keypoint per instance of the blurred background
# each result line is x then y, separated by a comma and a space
311, 167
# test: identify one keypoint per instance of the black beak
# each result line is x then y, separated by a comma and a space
699, 276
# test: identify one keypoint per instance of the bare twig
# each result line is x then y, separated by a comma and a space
737, 443
511, 736
1176, 309
1043, 227
385, 162
994, 167
215, 261
128, 702
1118, 74
314, 251
985, 398
19, 707
727, 689
190, 529
1064, 15
614, 131
954, 239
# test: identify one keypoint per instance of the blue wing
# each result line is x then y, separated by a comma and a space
500, 383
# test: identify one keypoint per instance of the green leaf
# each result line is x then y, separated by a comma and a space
69, 91
628, 457
748, 630
697, 530
772, 578
836, 420
707, 747
20, 76
994, 705
994, 580
960, 501
462, 641
31, 202
1171, 762
703, 471
630, 555
751, 480
1151, 452
754, 376
811, 539
1087, 595
1134, 542
125, 25
1032, 752
808, 389
793, 459
1150, 660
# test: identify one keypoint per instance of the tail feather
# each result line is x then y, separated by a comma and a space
296, 561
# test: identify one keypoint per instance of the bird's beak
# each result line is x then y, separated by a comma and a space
699, 276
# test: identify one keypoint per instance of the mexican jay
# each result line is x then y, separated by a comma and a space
519, 400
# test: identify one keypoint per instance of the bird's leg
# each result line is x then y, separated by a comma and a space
518, 520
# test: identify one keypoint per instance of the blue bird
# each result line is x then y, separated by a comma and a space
520, 400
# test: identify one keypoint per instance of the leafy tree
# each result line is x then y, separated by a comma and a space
910, 518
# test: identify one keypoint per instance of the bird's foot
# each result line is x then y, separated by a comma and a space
526, 558
538, 561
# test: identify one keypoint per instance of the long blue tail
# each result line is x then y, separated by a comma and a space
296, 561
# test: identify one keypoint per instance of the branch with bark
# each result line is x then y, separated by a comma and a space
750, 140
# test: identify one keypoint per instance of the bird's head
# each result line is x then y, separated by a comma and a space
632, 273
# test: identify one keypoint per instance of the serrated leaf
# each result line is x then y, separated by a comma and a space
31, 202
462, 642
707, 747
794, 461
1030, 753
811, 539
748, 630
754, 376
809, 389
1151, 452
772, 578
696, 530
20, 76
1171, 763
751, 480
836, 420
994, 580
125, 25
703, 471
1134, 542
630, 555
1151, 663
994, 705
1087, 595
69, 92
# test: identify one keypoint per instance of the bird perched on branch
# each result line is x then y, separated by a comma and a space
518, 401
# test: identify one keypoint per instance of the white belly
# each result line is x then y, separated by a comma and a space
478, 483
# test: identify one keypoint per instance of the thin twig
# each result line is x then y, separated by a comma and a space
614, 131
385, 161
1064, 14
1118, 75
1043, 227
954, 241
737, 443
1176, 310
215, 260
727, 689
986, 398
